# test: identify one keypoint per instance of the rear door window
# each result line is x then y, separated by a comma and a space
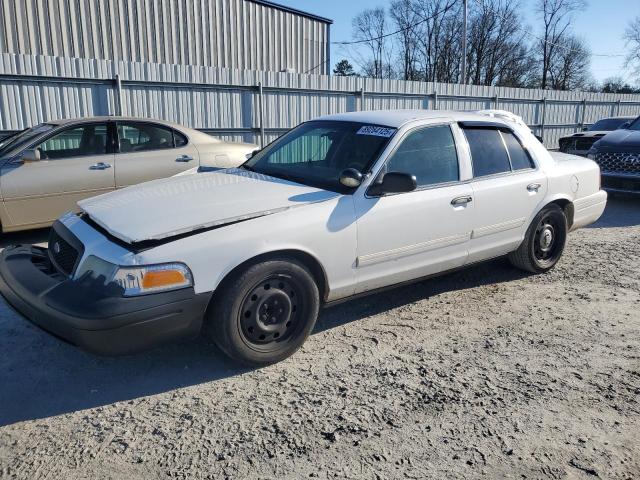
142, 137
488, 153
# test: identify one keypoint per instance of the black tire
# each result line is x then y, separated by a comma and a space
544, 241
265, 313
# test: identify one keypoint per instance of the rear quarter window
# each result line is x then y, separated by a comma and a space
179, 139
520, 158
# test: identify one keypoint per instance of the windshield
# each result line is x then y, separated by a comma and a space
315, 153
21, 139
635, 125
608, 124
9, 138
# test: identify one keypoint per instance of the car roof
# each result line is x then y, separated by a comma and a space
194, 134
106, 118
398, 118
620, 117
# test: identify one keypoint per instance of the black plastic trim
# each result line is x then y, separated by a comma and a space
63, 232
92, 315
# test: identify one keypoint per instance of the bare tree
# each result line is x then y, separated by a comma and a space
426, 38
496, 51
632, 37
617, 85
569, 66
556, 17
369, 28
407, 23
434, 36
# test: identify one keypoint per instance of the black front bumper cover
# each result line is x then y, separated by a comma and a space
90, 314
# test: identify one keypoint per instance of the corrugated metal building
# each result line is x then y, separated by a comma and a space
241, 34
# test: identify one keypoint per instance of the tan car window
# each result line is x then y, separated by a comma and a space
76, 142
179, 138
141, 137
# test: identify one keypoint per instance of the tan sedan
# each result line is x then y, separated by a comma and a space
46, 169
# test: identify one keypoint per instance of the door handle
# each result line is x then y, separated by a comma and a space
533, 187
100, 166
184, 158
461, 200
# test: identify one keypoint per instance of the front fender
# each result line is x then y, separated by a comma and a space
325, 231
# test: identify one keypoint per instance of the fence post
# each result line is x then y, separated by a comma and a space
435, 99
361, 93
618, 108
118, 94
495, 102
544, 115
261, 114
584, 113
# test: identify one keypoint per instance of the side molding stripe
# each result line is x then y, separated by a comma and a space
373, 258
498, 227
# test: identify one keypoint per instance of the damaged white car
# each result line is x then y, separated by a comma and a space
339, 206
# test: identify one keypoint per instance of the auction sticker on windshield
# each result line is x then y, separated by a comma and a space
376, 131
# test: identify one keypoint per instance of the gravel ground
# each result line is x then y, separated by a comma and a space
485, 372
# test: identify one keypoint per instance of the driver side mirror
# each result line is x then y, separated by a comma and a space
624, 126
31, 155
394, 182
584, 129
249, 156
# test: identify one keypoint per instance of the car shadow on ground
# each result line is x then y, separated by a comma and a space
42, 376
39, 236
621, 211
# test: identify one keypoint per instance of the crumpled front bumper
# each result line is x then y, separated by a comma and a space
91, 315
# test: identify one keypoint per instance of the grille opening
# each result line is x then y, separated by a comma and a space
62, 254
628, 163
621, 184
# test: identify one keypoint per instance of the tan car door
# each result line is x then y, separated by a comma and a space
74, 164
148, 151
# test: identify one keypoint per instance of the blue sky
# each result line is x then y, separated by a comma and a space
601, 24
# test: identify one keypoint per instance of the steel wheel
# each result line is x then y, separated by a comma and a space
269, 312
545, 244
264, 313
544, 241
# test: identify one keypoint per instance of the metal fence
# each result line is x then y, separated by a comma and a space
243, 105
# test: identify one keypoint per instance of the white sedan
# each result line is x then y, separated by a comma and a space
339, 206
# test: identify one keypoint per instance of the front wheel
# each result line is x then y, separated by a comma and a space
544, 241
265, 313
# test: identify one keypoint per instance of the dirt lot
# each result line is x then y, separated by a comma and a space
486, 372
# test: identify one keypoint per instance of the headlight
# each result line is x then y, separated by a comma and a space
591, 156
139, 279
153, 278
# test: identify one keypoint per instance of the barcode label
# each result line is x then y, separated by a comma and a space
376, 131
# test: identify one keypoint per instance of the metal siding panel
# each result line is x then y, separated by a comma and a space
224, 33
25, 102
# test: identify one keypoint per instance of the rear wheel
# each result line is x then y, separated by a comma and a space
544, 241
265, 313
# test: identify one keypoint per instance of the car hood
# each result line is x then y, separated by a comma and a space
587, 134
174, 206
621, 141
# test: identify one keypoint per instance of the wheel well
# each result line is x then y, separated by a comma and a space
305, 258
567, 207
